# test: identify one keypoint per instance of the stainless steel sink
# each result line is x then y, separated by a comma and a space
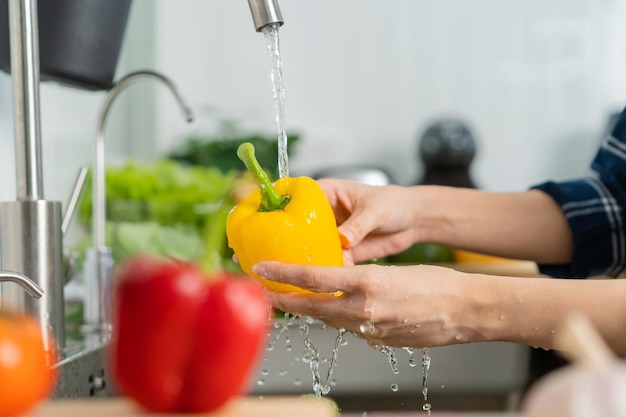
499, 368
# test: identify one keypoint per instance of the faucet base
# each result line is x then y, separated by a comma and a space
31, 243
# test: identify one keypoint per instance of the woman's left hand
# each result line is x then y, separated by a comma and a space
401, 306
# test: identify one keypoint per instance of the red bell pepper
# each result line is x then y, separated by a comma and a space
182, 342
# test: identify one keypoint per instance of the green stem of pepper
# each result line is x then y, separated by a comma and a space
271, 200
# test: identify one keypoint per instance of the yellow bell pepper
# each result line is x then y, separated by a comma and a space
289, 221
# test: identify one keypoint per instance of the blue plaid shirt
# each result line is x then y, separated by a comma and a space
594, 208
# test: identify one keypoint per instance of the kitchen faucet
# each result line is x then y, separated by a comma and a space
98, 267
265, 12
32, 275
30, 227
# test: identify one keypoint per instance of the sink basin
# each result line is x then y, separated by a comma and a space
495, 367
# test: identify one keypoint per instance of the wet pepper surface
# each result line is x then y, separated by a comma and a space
183, 342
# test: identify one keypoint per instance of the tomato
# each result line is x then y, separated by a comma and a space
26, 375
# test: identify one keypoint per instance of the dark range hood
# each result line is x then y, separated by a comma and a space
79, 40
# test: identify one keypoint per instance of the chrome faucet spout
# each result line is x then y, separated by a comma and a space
23, 281
98, 280
99, 186
265, 12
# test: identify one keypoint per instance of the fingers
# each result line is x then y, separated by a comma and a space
318, 306
317, 279
358, 226
330, 310
346, 197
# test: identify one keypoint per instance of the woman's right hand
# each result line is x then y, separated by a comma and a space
374, 221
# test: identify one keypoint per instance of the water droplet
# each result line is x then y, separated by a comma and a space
260, 382
412, 362
367, 327
552, 331
394, 387
264, 372
442, 386
405, 321
536, 328
297, 382
391, 357
501, 317
288, 348
282, 372
418, 325
427, 407
270, 347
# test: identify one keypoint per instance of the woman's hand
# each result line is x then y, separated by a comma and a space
374, 221
378, 221
417, 306
424, 306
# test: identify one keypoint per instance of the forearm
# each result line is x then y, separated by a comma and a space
524, 225
531, 310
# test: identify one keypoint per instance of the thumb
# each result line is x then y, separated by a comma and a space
355, 228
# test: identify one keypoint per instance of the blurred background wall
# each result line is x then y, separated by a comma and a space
536, 80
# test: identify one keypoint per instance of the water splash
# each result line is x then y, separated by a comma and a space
411, 352
366, 328
391, 357
333, 358
276, 74
425, 369
283, 331
313, 357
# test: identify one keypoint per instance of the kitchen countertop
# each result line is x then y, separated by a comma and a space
244, 406
239, 407
434, 414
287, 406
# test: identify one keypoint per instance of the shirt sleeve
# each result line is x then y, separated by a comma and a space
594, 209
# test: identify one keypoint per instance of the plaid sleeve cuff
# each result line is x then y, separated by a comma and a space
594, 209
596, 221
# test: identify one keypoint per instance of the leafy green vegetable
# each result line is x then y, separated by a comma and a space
182, 243
423, 253
221, 152
164, 192
165, 209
